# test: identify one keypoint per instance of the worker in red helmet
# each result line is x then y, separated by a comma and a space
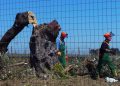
104, 55
60, 43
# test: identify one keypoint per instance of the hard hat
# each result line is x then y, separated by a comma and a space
64, 34
109, 34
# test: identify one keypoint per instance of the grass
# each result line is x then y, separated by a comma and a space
23, 75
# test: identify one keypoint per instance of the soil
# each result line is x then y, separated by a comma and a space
74, 81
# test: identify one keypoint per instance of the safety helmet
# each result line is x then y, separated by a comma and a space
109, 34
64, 34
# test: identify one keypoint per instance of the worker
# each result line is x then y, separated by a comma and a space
104, 55
60, 43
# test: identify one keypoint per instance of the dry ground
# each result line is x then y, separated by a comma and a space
26, 80
74, 81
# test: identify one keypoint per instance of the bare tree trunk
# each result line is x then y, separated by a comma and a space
21, 20
9, 35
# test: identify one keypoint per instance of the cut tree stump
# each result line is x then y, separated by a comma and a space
43, 47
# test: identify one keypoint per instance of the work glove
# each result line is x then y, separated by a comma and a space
59, 53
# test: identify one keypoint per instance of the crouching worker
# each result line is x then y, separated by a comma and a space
104, 55
60, 43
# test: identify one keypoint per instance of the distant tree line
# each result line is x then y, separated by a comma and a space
96, 51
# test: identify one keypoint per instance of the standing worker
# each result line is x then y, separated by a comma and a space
104, 55
60, 43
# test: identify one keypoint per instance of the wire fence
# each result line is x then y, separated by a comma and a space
85, 21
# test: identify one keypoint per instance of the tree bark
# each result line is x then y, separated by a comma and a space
21, 20
43, 47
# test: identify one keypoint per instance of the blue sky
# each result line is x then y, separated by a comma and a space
85, 21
